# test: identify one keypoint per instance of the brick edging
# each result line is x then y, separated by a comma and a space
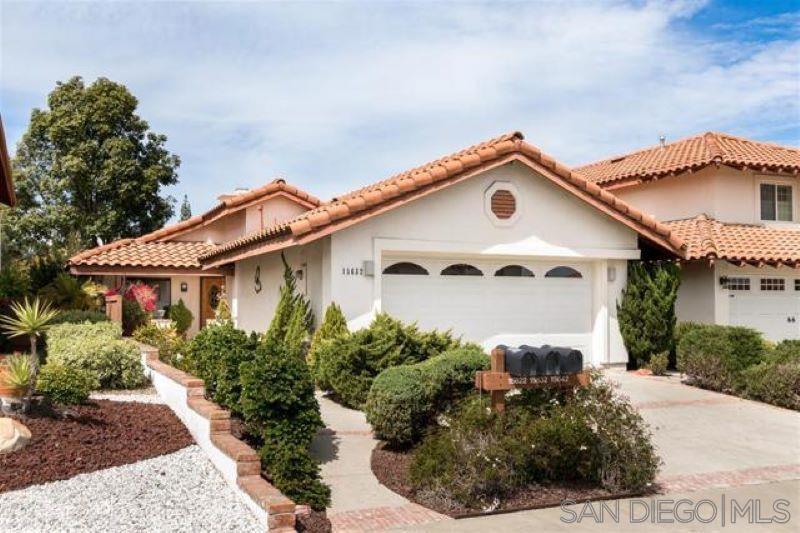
280, 510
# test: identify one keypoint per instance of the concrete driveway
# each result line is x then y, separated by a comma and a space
714, 447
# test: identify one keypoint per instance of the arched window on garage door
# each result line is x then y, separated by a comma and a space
514, 271
563, 272
461, 269
405, 268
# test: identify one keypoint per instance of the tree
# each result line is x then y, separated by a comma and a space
333, 325
647, 310
293, 317
186, 209
88, 169
31, 319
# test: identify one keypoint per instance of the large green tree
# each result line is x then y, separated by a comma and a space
88, 170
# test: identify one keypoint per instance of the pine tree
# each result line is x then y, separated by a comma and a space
647, 310
186, 209
291, 304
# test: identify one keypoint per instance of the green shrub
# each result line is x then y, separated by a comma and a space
66, 385
658, 364
714, 356
333, 325
215, 355
171, 346
182, 317
133, 316
277, 400
647, 309
774, 382
14, 281
787, 351
481, 458
75, 316
99, 349
350, 362
404, 400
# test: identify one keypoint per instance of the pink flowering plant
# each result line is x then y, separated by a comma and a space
142, 293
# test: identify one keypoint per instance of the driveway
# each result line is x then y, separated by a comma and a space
713, 446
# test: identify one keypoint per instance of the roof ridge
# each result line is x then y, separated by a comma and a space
754, 141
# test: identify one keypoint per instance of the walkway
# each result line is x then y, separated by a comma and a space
358, 501
712, 445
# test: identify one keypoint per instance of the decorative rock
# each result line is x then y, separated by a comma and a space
13, 435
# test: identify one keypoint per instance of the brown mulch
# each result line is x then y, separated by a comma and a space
314, 522
90, 437
391, 469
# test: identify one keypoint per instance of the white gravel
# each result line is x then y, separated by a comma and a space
148, 395
177, 492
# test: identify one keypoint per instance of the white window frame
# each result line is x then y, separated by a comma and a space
739, 284
777, 181
767, 279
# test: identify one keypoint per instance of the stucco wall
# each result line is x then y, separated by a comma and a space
724, 193
191, 298
221, 230
697, 293
267, 213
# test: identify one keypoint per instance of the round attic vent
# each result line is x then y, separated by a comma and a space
504, 205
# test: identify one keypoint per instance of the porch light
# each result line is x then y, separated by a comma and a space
723, 281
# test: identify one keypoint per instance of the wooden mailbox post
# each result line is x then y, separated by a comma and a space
497, 381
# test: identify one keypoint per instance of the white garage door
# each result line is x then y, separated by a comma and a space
493, 302
769, 304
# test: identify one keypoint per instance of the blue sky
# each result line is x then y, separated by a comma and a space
332, 96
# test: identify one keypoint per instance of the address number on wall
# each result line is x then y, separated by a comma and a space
352, 271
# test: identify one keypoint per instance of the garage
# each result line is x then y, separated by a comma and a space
769, 304
512, 301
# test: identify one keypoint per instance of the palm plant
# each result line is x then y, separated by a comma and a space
31, 319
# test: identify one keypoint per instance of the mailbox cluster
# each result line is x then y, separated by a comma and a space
543, 361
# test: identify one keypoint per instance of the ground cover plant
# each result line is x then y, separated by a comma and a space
349, 363
737, 360
547, 442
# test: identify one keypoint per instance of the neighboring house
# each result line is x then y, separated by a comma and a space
498, 242
736, 204
7, 195
168, 258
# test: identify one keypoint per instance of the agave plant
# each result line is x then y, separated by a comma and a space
17, 371
31, 319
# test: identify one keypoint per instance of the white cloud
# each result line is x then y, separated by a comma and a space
336, 95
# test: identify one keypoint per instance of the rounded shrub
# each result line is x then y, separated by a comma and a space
181, 316
714, 356
404, 400
774, 382
66, 385
170, 344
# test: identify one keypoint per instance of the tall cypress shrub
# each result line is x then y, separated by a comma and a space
647, 310
333, 325
293, 317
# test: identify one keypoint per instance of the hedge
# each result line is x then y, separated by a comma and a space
100, 349
774, 382
76, 316
404, 400
349, 363
714, 356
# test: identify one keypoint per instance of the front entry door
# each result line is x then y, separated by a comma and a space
211, 290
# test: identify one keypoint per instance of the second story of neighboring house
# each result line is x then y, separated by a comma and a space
726, 178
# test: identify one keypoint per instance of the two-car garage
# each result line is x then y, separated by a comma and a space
490, 301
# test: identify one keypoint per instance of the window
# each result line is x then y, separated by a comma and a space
738, 284
514, 271
776, 202
461, 269
773, 284
563, 272
797, 284
405, 268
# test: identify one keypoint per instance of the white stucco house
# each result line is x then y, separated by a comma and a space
168, 259
736, 205
498, 242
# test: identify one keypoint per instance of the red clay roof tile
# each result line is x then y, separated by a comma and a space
707, 238
127, 253
691, 153
405, 186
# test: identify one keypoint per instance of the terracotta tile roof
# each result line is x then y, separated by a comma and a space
692, 154
707, 238
144, 250
406, 186
233, 203
135, 253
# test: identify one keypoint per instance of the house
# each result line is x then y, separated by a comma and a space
498, 242
168, 258
736, 204
7, 195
